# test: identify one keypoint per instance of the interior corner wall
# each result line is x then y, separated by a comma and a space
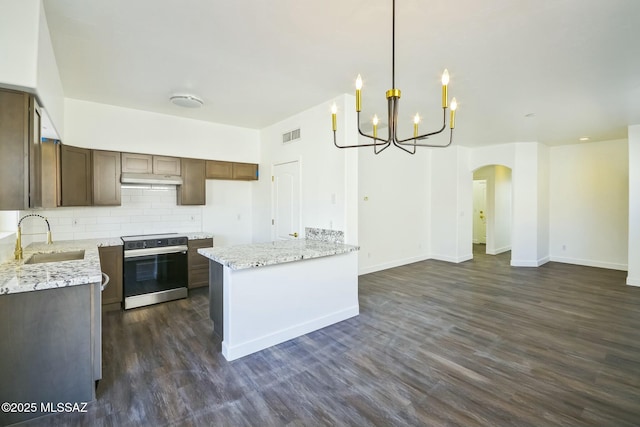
524, 236
633, 275
394, 214
589, 204
451, 204
542, 255
327, 173
49, 85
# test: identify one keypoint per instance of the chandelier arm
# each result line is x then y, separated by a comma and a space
335, 142
426, 135
431, 145
404, 149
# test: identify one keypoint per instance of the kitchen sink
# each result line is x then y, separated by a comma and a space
55, 257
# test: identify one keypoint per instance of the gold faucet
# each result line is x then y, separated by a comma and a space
18, 252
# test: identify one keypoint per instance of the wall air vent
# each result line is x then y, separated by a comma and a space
291, 136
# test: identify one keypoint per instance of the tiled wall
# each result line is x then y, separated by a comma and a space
143, 211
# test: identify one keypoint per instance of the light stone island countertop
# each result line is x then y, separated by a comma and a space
16, 276
271, 253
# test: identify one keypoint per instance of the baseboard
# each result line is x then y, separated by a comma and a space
590, 263
455, 260
392, 264
501, 250
633, 281
240, 350
529, 263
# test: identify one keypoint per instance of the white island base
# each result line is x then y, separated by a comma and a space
256, 308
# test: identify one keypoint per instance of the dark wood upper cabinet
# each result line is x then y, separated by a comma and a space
193, 189
163, 165
19, 151
217, 169
137, 163
245, 171
148, 163
75, 176
106, 178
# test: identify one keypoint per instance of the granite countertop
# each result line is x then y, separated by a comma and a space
16, 276
196, 235
271, 253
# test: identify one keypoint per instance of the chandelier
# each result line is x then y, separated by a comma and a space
393, 98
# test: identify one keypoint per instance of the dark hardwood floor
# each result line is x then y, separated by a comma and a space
473, 344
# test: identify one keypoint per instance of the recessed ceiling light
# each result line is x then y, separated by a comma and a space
584, 138
187, 101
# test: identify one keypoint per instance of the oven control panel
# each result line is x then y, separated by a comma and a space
157, 242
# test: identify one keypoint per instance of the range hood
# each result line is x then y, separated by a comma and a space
148, 178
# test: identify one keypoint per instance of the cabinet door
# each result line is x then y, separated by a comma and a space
75, 176
217, 169
35, 154
14, 150
163, 165
245, 171
50, 173
111, 265
198, 264
193, 188
137, 163
106, 178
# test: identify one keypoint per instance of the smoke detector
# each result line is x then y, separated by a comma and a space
187, 101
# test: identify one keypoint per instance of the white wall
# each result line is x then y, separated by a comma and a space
28, 60
19, 25
633, 276
502, 209
589, 205
451, 203
394, 214
327, 173
94, 125
49, 86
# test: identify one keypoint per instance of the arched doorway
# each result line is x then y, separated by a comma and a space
492, 209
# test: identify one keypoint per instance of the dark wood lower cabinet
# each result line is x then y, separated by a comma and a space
111, 264
198, 265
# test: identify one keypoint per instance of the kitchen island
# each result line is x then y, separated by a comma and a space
267, 293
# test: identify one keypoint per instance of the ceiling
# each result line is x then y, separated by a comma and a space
522, 70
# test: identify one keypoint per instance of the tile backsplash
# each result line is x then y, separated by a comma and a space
143, 211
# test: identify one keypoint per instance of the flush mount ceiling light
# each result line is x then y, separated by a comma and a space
393, 99
187, 101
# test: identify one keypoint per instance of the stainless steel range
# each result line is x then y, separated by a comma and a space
155, 269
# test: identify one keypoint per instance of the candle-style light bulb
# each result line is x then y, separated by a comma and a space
452, 117
334, 111
416, 120
358, 93
375, 125
445, 83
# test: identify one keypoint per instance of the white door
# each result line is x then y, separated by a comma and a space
286, 201
480, 211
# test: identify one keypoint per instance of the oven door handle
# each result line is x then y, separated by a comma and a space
155, 251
